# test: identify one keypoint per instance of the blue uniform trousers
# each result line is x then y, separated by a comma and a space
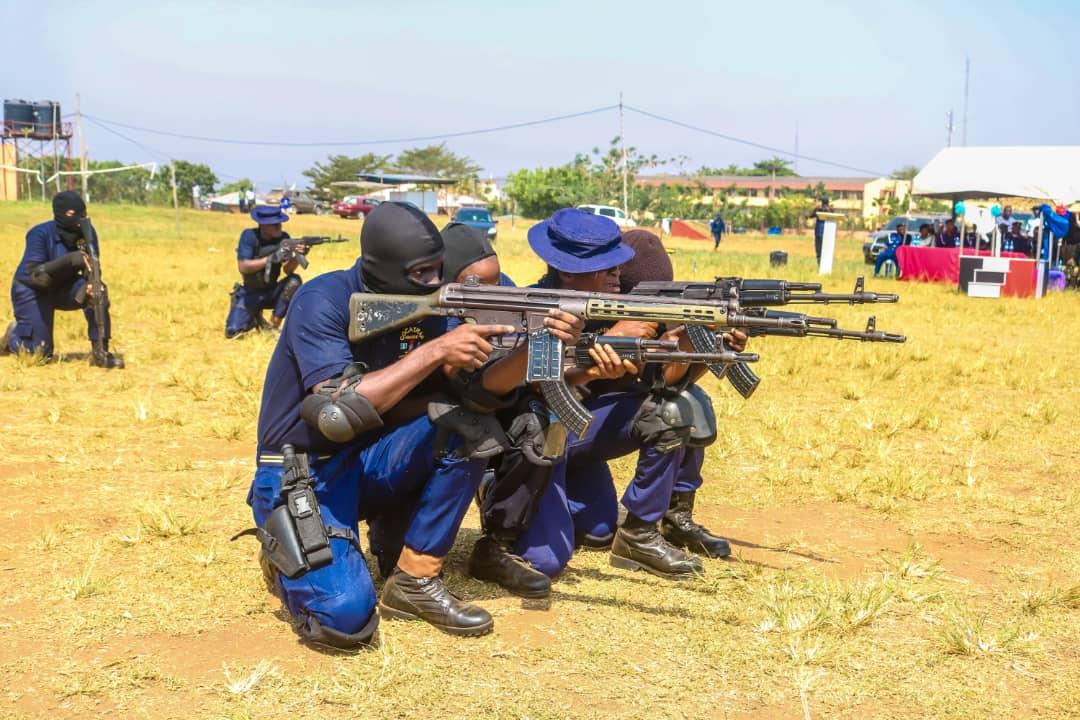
688, 478
247, 304
581, 497
34, 311
882, 257
406, 495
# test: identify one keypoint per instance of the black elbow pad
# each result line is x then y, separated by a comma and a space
57, 271
339, 412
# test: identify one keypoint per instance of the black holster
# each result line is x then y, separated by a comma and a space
294, 536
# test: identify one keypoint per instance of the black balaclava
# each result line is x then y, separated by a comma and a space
395, 238
650, 261
464, 246
68, 227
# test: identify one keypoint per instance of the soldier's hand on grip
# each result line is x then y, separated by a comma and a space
466, 346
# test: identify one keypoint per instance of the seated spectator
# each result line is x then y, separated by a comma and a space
949, 237
973, 238
1072, 274
1014, 240
896, 239
1005, 220
925, 238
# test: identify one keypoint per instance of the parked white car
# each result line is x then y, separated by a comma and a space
614, 213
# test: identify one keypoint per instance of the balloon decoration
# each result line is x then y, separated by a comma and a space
959, 207
995, 210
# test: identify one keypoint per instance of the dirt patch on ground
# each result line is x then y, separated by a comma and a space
844, 542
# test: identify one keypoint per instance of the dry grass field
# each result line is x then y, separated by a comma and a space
904, 518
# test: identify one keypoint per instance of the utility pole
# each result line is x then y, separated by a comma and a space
948, 128
967, 83
82, 147
622, 143
796, 148
175, 203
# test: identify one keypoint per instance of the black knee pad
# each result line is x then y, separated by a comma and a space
309, 628
292, 284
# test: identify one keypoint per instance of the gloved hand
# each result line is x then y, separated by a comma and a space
529, 433
481, 434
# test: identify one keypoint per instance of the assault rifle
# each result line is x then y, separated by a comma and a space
97, 292
525, 309
759, 294
286, 250
639, 350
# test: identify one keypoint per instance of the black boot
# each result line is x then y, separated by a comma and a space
638, 545
492, 561
405, 597
107, 360
679, 528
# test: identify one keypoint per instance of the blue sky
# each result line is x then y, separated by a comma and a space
867, 84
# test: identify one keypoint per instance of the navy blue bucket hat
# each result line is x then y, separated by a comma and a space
269, 215
576, 241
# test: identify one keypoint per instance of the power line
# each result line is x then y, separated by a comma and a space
136, 143
751, 143
388, 141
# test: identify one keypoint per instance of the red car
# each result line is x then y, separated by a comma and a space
355, 206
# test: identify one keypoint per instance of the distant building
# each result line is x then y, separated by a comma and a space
863, 197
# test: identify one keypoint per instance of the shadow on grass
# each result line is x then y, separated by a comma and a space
805, 555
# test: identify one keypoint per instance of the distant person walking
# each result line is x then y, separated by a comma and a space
819, 226
718, 229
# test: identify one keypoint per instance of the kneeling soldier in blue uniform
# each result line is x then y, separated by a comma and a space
53, 275
579, 508
262, 290
345, 435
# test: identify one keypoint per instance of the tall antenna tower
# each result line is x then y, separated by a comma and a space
948, 128
796, 148
967, 84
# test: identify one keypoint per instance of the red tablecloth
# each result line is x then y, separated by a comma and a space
929, 264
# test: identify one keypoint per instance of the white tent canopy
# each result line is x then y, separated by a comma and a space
1040, 172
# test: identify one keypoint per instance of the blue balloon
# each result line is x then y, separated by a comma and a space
959, 207
995, 210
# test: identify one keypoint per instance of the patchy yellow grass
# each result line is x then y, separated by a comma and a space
904, 517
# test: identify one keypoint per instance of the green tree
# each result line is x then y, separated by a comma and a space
238, 186
777, 165
907, 172
436, 160
187, 176
540, 192
773, 166
126, 186
731, 169
341, 168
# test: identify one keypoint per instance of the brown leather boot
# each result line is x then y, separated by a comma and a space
405, 597
638, 545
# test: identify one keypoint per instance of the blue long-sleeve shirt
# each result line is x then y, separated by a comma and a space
895, 240
43, 244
